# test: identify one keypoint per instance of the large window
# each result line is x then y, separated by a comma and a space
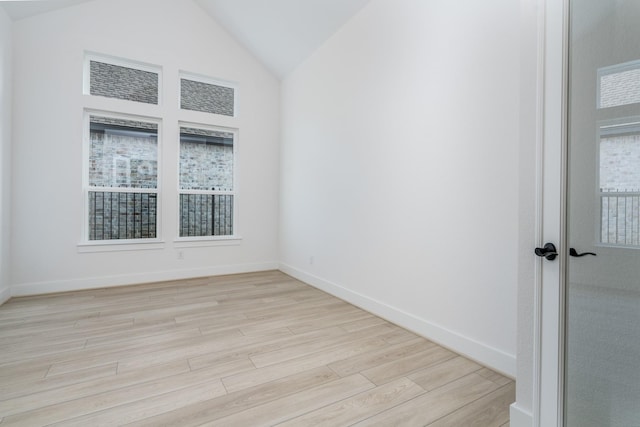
123, 147
207, 191
619, 154
122, 178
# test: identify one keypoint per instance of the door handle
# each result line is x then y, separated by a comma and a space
575, 253
548, 251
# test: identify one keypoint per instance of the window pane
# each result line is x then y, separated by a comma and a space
206, 215
206, 159
206, 97
620, 163
123, 153
114, 215
619, 85
114, 81
620, 187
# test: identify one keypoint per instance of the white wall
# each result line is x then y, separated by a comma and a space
47, 184
5, 152
399, 170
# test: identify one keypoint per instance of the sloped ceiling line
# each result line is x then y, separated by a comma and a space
281, 33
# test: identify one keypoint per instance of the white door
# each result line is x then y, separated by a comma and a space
590, 324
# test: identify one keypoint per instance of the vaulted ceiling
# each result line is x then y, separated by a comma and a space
281, 33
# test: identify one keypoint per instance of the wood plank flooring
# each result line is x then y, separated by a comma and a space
258, 349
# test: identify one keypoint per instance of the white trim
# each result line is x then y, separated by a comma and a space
480, 352
5, 295
519, 417
550, 224
54, 286
125, 189
213, 192
205, 241
120, 245
619, 68
539, 212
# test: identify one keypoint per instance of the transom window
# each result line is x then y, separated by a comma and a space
619, 85
207, 95
120, 79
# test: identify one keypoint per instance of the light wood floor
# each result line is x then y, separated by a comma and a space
246, 350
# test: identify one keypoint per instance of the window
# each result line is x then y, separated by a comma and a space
122, 177
619, 85
207, 95
127, 80
122, 151
619, 186
207, 190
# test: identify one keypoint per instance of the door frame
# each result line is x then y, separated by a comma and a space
551, 202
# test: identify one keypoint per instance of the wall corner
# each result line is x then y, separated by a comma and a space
6, 105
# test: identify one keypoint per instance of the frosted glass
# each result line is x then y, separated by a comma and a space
602, 347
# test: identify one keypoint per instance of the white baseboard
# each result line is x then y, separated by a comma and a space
5, 294
475, 350
519, 417
482, 353
37, 288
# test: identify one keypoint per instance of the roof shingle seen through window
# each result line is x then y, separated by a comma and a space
114, 81
206, 97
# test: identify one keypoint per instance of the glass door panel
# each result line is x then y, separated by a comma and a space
602, 342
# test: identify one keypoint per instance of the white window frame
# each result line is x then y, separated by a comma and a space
87, 245
212, 81
121, 62
210, 239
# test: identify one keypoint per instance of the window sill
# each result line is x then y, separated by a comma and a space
117, 246
194, 242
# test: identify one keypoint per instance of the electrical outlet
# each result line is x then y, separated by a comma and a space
180, 255
312, 260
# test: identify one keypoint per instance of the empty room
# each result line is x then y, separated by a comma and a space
319, 212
